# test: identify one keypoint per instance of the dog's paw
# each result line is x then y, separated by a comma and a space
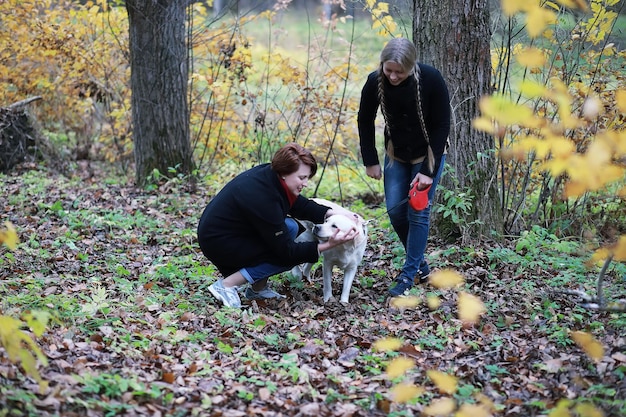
329, 299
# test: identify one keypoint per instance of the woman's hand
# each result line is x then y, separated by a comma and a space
423, 180
374, 171
337, 239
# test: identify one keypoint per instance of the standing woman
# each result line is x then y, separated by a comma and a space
247, 230
415, 104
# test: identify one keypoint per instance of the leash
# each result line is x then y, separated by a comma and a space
418, 199
401, 202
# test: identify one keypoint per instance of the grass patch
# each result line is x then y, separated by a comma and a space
124, 278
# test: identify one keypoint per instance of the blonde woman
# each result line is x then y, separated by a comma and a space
414, 101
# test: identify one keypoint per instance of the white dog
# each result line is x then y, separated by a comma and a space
347, 256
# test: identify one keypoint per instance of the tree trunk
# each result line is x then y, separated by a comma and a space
454, 36
159, 75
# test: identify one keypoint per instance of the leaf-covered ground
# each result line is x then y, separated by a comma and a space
135, 331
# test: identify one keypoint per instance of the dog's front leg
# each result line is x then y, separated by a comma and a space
302, 271
327, 272
296, 271
306, 271
348, 277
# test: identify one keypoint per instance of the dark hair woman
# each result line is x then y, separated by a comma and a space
248, 229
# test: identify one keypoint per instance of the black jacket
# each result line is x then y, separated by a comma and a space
403, 127
244, 224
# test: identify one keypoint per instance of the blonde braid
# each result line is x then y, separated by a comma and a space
430, 160
383, 110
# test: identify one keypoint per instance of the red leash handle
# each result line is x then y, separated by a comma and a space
418, 199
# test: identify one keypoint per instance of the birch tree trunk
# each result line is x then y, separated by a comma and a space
159, 75
454, 36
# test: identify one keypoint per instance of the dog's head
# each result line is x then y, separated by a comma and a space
342, 223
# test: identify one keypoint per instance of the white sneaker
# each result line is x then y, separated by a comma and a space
228, 296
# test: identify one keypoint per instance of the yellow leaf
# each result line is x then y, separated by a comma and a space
619, 249
530, 143
389, 26
556, 166
552, 5
574, 4
537, 19
383, 7
470, 307
620, 100
510, 7
532, 89
574, 189
598, 154
440, 407
446, 383
399, 366
600, 255
472, 410
506, 112
37, 320
589, 344
387, 344
8, 327
405, 302
433, 302
561, 409
9, 236
484, 124
561, 146
588, 410
405, 391
20, 348
446, 278
531, 57
485, 401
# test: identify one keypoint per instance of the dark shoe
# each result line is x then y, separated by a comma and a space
263, 294
402, 287
423, 273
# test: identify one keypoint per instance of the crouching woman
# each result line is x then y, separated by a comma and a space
248, 229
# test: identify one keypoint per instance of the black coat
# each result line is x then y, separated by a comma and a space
244, 224
403, 127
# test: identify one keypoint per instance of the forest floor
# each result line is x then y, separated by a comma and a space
135, 331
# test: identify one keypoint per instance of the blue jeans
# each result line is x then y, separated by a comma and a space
411, 226
266, 270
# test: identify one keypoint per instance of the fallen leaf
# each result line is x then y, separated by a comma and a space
387, 344
472, 410
405, 392
399, 366
446, 383
446, 278
440, 407
470, 307
405, 302
8, 236
591, 346
433, 302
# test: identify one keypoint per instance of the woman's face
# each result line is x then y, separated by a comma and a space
296, 181
394, 72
